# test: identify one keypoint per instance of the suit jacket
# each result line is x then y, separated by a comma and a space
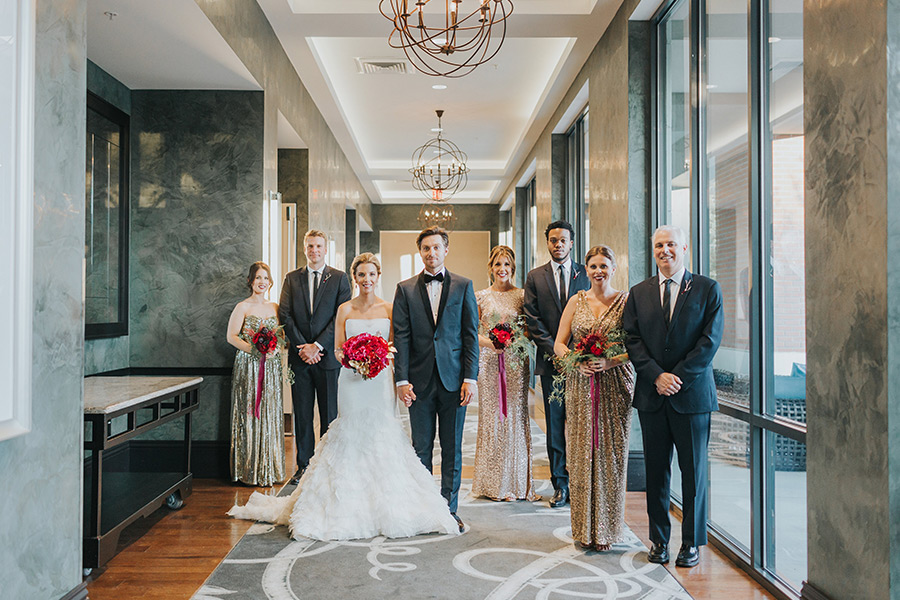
543, 310
451, 344
685, 348
302, 327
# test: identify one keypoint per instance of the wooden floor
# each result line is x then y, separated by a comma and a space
169, 555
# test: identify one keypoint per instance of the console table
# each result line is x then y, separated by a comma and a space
116, 409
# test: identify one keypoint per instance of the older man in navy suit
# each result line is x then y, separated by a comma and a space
674, 323
436, 367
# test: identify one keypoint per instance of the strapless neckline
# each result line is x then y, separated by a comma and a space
373, 319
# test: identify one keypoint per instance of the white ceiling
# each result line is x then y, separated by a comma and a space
162, 44
494, 115
379, 120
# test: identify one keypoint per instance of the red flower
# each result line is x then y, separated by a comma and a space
265, 340
501, 335
367, 354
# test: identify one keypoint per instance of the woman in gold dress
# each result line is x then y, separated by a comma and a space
503, 449
257, 441
597, 471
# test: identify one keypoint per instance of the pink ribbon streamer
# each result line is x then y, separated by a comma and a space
259, 384
595, 409
501, 362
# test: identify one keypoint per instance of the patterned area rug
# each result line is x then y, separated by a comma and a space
510, 550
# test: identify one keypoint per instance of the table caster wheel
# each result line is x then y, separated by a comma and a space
174, 501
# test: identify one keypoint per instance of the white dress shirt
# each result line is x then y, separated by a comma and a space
311, 278
673, 289
435, 288
566, 274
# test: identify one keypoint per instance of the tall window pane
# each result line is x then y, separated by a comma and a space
786, 197
675, 112
787, 538
727, 190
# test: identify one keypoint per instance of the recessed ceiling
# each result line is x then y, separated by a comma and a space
162, 44
494, 114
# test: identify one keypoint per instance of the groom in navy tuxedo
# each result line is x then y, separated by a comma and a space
436, 367
674, 323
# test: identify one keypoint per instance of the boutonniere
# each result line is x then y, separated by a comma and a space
687, 286
574, 272
327, 275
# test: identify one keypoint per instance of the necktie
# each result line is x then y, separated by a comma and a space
429, 278
667, 301
563, 296
315, 288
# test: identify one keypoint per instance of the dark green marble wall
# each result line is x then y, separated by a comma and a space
40, 507
197, 178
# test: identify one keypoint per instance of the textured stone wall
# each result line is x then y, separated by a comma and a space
40, 509
618, 80
332, 183
197, 185
852, 126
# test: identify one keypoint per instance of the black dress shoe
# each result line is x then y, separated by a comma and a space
688, 556
559, 498
296, 478
659, 554
459, 522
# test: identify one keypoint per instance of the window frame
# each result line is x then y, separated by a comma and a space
759, 561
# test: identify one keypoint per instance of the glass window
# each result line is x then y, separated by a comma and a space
578, 183
675, 114
729, 477
787, 537
786, 198
748, 198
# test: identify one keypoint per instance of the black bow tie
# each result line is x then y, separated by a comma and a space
429, 278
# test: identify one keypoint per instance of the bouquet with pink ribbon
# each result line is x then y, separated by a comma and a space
596, 344
265, 341
507, 336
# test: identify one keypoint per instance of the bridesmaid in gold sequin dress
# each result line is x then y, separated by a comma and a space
597, 474
257, 444
503, 450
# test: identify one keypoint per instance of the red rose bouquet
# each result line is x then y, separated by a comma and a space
266, 341
508, 336
596, 344
367, 354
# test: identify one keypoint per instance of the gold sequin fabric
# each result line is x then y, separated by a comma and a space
597, 475
503, 448
257, 445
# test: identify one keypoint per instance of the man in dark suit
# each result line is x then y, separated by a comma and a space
674, 323
309, 301
547, 289
436, 367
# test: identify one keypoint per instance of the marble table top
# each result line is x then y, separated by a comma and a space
109, 394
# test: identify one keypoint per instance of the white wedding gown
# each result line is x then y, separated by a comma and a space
365, 479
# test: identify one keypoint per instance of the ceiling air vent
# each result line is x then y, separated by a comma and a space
377, 66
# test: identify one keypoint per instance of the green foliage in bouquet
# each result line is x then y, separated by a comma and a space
510, 335
596, 344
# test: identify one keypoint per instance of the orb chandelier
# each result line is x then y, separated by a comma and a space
437, 214
447, 41
439, 167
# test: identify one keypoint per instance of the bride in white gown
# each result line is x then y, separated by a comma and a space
365, 479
